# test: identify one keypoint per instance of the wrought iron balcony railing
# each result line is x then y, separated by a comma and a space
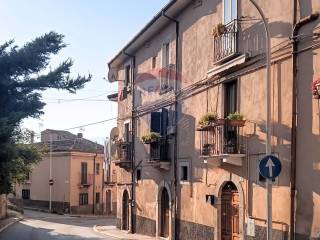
159, 151
85, 179
226, 44
124, 152
221, 139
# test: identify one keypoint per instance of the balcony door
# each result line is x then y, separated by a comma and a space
230, 107
84, 173
230, 10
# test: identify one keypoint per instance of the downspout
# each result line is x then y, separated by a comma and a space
295, 43
94, 183
175, 157
133, 129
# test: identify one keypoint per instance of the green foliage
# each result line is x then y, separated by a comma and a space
235, 116
24, 74
208, 118
150, 137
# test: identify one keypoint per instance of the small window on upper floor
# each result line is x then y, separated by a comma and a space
97, 168
154, 62
230, 8
165, 55
166, 73
184, 172
138, 174
127, 77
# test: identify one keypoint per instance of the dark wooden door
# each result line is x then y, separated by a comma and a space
165, 208
125, 211
108, 202
230, 229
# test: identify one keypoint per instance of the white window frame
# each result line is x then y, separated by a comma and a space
163, 65
223, 10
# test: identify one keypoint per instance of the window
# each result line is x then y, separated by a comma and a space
83, 199
97, 197
97, 168
231, 145
166, 68
126, 132
84, 175
154, 62
138, 174
230, 8
25, 193
127, 77
184, 172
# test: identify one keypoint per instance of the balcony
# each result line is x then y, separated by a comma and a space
221, 143
85, 180
226, 44
123, 155
160, 154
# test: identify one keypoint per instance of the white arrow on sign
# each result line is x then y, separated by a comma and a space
270, 165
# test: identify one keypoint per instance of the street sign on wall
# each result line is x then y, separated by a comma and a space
270, 167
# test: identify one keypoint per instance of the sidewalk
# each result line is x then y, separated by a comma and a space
12, 218
112, 231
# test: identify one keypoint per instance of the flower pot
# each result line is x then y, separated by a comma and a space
237, 123
315, 96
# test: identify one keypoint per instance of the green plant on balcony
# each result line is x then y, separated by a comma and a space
218, 30
209, 120
150, 138
236, 119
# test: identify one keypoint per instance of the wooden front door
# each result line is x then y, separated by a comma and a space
108, 202
125, 211
230, 225
165, 208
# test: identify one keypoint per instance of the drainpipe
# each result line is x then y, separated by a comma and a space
94, 183
133, 129
175, 157
295, 42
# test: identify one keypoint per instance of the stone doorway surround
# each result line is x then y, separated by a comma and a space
224, 179
163, 184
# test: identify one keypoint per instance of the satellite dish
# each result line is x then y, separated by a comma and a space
114, 137
112, 75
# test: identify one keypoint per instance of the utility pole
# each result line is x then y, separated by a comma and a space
268, 122
50, 175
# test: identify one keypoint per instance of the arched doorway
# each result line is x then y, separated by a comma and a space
164, 214
230, 220
125, 210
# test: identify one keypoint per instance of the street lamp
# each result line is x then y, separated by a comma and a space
268, 122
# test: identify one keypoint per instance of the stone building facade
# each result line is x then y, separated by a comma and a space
185, 168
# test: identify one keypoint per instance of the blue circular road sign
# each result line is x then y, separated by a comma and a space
270, 167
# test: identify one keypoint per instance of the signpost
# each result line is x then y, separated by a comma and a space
270, 167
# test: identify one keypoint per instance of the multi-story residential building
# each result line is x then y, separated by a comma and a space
185, 171
77, 172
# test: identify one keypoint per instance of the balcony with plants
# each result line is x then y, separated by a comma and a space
221, 139
225, 41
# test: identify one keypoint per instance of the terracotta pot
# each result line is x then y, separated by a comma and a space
237, 123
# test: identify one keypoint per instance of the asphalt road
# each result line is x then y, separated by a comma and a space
43, 226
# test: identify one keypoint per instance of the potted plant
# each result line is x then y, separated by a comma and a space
218, 30
236, 119
315, 88
150, 138
208, 118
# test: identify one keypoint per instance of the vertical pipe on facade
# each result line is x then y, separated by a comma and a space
94, 182
133, 129
175, 157
295, 42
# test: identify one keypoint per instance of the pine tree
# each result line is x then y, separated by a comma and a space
24, 75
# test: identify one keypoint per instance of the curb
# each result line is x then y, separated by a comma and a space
97, 231
9, 224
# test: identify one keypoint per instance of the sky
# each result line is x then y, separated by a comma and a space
95, 31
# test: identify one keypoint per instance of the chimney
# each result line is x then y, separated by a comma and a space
79, 135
